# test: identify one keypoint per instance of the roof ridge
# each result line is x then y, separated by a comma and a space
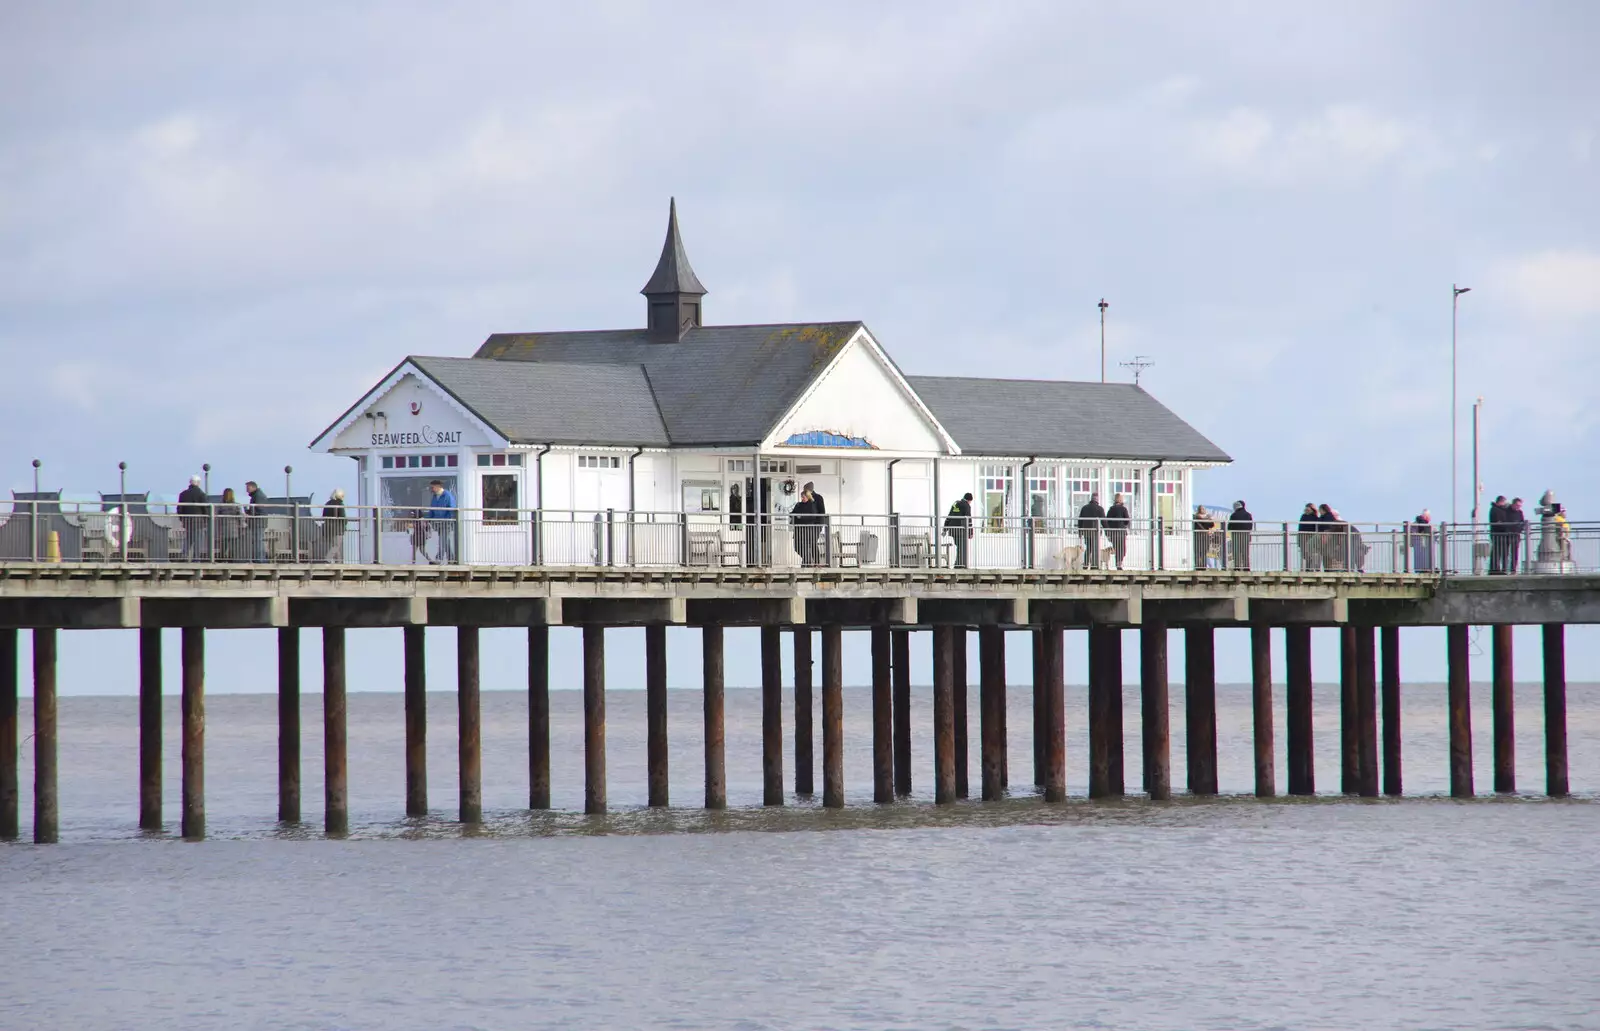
1024, 379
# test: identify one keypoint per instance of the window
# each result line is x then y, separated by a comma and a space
419, 461
496, 461
738, 465
1082, 482
1041, 496
409, 494
1129, 482
599, 461
1170, 507
500, 497
775, 465
997, 484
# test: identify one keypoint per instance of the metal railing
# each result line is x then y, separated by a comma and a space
295, 531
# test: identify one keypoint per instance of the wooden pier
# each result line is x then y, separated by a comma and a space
45, 599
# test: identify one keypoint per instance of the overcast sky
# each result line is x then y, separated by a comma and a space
219, 224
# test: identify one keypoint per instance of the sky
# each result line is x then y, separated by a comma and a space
220, 224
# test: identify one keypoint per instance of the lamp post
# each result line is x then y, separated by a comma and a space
1103, 307
205, 470
1477, 485
1455, 304
33, 527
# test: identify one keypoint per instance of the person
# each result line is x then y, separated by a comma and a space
442, 510
1516, 524
1335, 545
819, 519
1090, 519
958, 524
735, 505
1499, 543
194, 515
805, 520
1310, 542
1420, 533
1241, 526
1116, 522
257, 514
230, 523
416, 528
1558, 517
333, 527
1203, 525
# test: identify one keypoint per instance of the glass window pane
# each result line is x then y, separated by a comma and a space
500, 497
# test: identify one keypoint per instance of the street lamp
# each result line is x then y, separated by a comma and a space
1455, 303
1103, 307
1477, 485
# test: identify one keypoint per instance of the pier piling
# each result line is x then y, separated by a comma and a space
1349, 735
1503, 700
711, 674
335, 736
1389, 648
149, 728
1055, 716
1297, 706
538, 716
900, 647
10, 817
944, 746
193, 707
958, 703
46, 812
1041, 708
1200, 704
1099, 711
469, 725
1555, 710
1366, 715
832, 716
991, 710
1154, 710
1460, 706
882, 718
414, 641
655, 691
1261, 709
288, 725
804, 715
772, 716
594, 719
1117, 764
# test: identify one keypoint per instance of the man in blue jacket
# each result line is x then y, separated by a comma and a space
442, 509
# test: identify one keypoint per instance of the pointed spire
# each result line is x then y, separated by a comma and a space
674, 291
673, 274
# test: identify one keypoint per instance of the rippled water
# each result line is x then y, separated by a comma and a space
1226, 913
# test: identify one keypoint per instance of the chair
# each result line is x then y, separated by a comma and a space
96, 547
914, 550
711, 547
846, 553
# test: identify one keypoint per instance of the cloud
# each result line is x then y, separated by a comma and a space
1555, 285
1340, 144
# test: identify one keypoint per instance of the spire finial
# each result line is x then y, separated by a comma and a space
674, 291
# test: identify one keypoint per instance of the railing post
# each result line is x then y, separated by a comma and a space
34, 528
211, 531
294, 529
894, 539
1406, 549
683, 538
1161, 543
1286, 562
1029, 560
377, 535
536, 542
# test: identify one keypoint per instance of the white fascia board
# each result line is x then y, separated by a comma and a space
865, 339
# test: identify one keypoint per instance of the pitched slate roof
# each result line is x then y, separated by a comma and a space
554, 402
718, 386
1061, 420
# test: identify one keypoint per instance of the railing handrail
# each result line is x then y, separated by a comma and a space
297, 530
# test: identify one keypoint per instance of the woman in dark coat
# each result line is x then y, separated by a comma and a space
230, 526
1310, 542
804, 519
